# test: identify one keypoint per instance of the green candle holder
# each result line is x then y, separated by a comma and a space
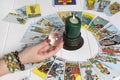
72, 44
72, 35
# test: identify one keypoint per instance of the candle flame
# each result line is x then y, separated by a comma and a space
73, 16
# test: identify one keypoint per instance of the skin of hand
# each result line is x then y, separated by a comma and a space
38, 52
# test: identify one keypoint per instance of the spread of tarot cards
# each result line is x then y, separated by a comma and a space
104, 55
101, 41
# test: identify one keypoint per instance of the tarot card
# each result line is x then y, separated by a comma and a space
112, 9
36, 33
33, 10
15, 18
49, 59
89, 4
33, 65
44, 22
106, 31
72, 71
57, 70
64, 2
101, 5
54, 18
88, 72
40, 28
106, 72
31, 38
63, 15
22, 12
97, 24
43, 70
112, 61
113, 40
86, 19
113, 50
58, 30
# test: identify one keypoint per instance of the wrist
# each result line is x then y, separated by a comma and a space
13, 62
22, 58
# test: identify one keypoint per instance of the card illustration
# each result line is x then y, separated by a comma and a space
101, 5
15, 18
112, 61
33, 10
63, 15
111, 50
113, 40
22, 12
44, 22
64, 2
86, 19
72, 71
87, 72
43, 70
89, 4
106, 31
57, 70
104, 70
36, 33
97, 24
54, 18
112, 9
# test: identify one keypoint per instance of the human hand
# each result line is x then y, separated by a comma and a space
39, 52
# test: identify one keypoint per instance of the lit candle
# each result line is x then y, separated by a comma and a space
72, 27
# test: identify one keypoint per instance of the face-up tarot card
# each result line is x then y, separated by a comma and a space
101, 5
22, 12
112, 40
111, 50
64, 2
54, 18
63, 15
33, 10
89, 4
97, 24
113, 8
88, 72
106, 72
72, 71
57, 70
44, 22
112, 61
86, 19
36, 33
15, 18
106, 31
43, 70
33, 65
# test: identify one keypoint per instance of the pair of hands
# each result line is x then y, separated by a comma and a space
39, 52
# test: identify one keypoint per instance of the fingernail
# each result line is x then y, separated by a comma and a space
48, 40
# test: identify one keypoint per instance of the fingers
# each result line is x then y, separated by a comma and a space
46, 48
43, 44
55, 50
